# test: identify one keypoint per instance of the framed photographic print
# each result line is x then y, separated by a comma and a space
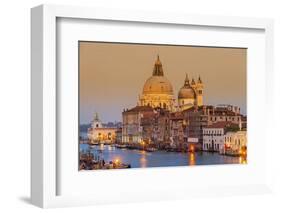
148, 105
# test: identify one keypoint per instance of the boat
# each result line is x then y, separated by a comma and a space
93, 143
150, 149
121, 146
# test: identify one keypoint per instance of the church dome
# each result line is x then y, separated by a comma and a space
158, 85
187, 92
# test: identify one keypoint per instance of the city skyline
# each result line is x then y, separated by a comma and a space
112, 75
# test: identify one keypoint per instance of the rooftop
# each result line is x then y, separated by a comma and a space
221, 124
139, 109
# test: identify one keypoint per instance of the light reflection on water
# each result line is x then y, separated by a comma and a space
242, 160
192, 159
143, 159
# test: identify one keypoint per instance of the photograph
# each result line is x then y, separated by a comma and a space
161, 105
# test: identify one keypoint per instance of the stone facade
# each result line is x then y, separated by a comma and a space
213, 136
132, 130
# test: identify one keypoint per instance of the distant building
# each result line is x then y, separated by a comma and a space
97, 133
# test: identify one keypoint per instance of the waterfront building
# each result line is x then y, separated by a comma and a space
161, 128
132, 131
224, 113
195, 118
147, 127
157, 90
178, 134
213, 135
98, 133
235, 143
119, 135
199, 117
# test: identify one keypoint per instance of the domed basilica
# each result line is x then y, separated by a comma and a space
158, 92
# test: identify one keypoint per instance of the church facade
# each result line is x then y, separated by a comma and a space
98, 133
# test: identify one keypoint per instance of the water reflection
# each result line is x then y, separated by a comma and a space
143, 159
191, 159
243, 160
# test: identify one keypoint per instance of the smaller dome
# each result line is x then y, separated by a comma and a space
187, 92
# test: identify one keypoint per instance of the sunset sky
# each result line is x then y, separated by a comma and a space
112, 75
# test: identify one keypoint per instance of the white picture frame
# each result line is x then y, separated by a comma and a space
44, 154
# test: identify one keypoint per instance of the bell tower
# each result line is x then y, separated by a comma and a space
96, 123
199, 91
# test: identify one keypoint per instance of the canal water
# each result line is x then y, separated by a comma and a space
143, 159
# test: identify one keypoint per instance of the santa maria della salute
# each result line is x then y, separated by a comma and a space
159, 120
158, 91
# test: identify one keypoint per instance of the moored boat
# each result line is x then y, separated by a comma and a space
150, 149
121, 146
